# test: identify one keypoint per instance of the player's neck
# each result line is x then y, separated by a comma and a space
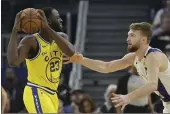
141, 51
45, 35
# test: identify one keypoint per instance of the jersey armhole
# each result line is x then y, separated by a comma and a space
37, 51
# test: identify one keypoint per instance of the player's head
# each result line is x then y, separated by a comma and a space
138, 35
53, 18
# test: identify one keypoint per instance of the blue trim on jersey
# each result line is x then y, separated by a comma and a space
163, 92
43, 87
153, 50
36, 100
161, 88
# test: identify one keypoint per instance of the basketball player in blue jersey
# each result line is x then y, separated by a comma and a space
152, 65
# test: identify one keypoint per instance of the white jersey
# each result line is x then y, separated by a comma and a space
164, 77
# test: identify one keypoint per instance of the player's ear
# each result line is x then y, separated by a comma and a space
144, 39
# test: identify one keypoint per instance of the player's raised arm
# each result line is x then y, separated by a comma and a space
64, 45
17, 53
106, 67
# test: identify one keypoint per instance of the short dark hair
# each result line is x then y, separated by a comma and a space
48, 11
144, 27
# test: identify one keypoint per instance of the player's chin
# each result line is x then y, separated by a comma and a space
130, 49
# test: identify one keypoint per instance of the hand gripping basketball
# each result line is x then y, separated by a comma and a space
17, 21
42, 16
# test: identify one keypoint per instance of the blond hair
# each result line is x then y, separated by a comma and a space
144, 27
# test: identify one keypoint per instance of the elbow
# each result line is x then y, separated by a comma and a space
12, 63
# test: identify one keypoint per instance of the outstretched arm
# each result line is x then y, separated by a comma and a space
106, 67
17, 53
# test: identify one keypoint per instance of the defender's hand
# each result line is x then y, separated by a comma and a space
120, 100
76, 58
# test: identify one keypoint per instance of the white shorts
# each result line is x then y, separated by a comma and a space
166, 107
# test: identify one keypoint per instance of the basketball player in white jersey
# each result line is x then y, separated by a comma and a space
152, 65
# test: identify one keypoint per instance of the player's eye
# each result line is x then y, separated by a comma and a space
132, 35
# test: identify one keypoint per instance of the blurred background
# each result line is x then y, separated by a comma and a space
98, 29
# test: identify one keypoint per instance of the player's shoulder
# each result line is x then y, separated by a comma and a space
155, 56
129, 58
64, 35
154, 53
29, 38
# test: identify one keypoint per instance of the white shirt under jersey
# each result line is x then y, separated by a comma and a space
135, 82
164, 77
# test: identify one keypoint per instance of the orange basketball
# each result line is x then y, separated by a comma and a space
30, 23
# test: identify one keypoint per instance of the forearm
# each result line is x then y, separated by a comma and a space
4, 101
63, 44
12, 52
142, 92
97, 65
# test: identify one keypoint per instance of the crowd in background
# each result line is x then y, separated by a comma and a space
78, 101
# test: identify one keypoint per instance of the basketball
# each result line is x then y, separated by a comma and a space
30, 23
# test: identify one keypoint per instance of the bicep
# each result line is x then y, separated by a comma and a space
152, 64
23, 49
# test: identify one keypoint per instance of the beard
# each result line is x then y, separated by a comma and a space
133, 48
56, 27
